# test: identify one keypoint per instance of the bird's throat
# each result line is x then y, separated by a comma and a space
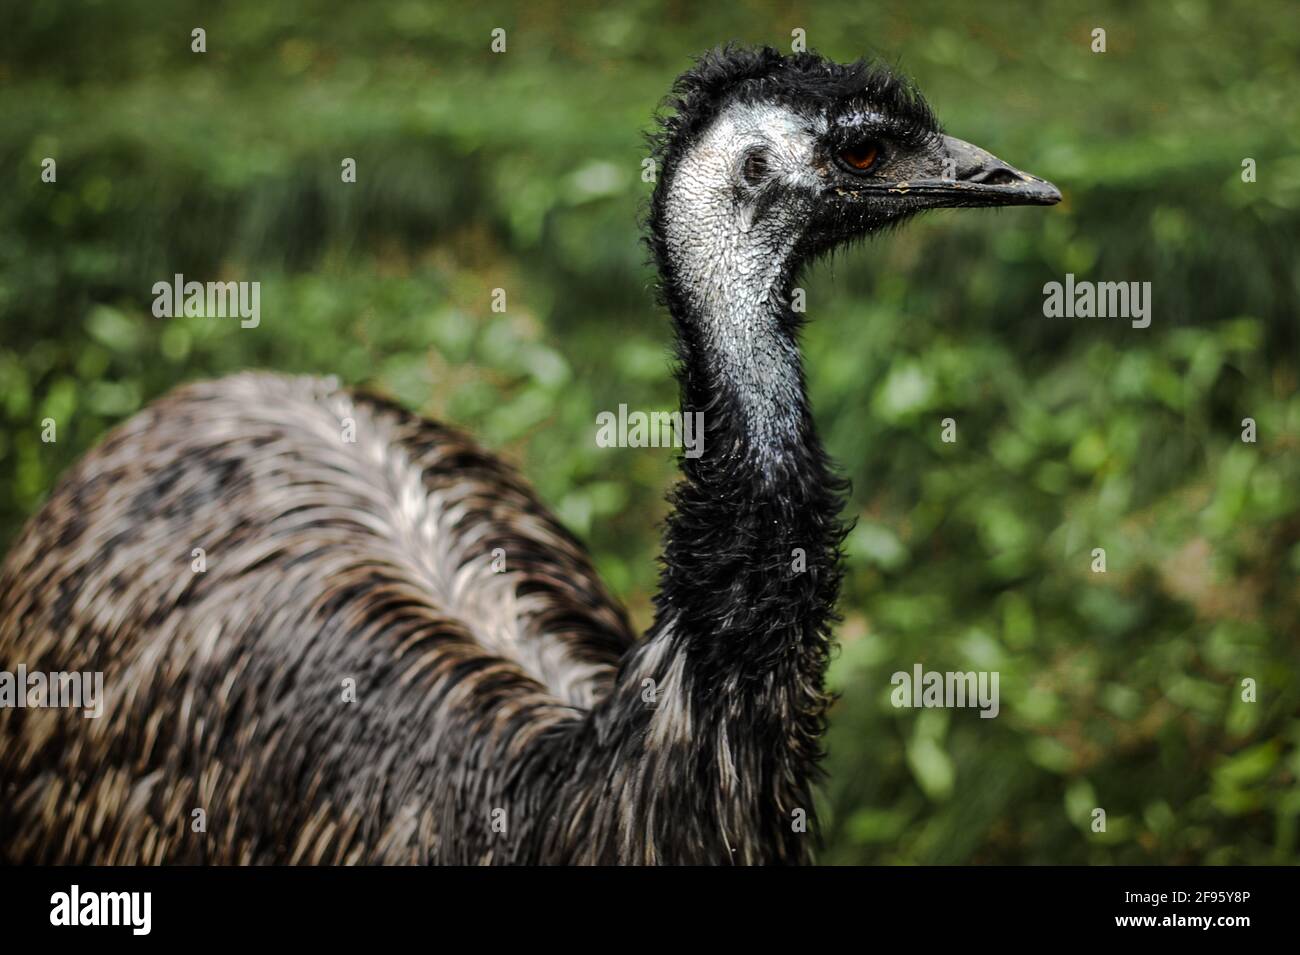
751, 549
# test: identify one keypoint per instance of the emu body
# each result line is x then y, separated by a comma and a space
389, 651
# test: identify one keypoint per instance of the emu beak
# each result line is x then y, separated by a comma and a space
975, 177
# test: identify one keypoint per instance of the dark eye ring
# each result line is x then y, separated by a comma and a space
860, 158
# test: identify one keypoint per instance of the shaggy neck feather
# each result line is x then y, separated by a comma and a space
711, 734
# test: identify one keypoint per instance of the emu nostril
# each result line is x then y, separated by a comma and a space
997, 176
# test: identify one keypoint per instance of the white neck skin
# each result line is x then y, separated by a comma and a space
731, 259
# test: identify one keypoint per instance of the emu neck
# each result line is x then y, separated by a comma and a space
751, 548
710, 738
724, 700
741, 363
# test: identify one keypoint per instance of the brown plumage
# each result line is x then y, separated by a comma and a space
391, 536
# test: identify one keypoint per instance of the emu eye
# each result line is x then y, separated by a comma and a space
860, 157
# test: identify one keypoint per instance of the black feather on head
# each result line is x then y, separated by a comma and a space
804, 81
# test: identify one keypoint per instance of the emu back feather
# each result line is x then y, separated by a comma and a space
327, 560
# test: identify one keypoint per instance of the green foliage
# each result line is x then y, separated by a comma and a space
521, 171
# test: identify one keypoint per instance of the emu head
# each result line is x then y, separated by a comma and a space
768, 159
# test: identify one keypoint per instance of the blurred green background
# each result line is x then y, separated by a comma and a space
522, 171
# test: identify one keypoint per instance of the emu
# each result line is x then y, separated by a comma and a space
350, 680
